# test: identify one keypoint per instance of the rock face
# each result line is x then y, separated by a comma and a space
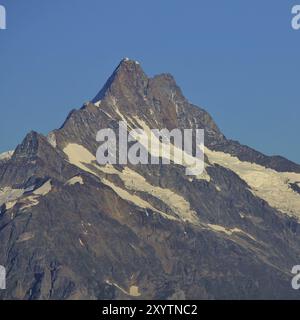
72, 229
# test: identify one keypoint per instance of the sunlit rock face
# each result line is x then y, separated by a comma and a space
71, 228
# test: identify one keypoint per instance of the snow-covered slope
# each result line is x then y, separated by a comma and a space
6, 155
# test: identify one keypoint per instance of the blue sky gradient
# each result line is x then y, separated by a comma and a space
239, 60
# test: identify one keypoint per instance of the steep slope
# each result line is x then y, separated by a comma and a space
70, 228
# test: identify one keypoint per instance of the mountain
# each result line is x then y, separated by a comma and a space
73, 229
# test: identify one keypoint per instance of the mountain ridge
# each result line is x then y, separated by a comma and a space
70, 228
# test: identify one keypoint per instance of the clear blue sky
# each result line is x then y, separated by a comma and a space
238, 59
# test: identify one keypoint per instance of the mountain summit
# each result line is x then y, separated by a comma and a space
72, 229
127, 74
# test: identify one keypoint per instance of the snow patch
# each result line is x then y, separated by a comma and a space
51, 138
79, 156
177, 203
8, 194
74, 180
161, 150
29, 202
44, 189
33, 200
139, 202
10, 205
218, 188
133, 290
25, 236
229, 231
97, 104
265, 183
6, 155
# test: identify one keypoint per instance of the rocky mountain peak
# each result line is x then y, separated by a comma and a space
29, 146
127, 77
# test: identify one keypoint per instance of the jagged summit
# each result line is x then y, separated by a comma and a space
128, 65
128, 60
127, 73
